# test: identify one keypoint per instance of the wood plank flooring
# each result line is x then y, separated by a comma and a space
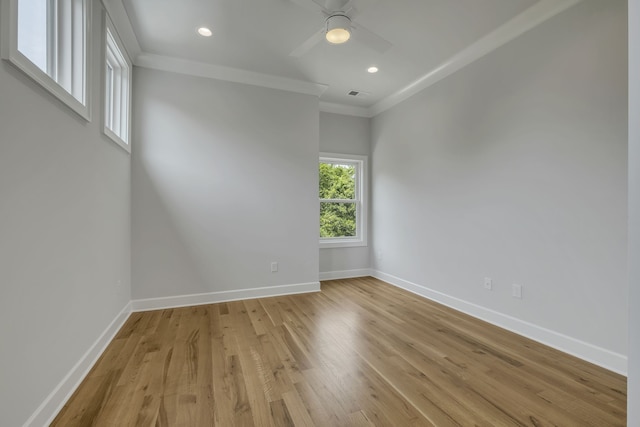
359, 353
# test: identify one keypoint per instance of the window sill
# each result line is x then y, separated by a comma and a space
115, 138
342, 243
23, 64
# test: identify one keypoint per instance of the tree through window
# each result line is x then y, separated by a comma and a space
341, 200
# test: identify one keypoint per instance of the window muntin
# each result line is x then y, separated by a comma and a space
117, 87
48, 40
342, 198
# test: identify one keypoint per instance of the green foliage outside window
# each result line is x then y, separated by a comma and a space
337, 219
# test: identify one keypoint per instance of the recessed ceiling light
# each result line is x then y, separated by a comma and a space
204, 32
372, 70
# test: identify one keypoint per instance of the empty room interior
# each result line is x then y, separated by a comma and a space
320, 212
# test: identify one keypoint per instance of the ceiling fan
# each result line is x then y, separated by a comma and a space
339, 26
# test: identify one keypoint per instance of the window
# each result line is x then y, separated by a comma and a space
343, 207
117, 87
47, 40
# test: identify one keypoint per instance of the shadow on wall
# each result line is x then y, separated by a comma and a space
161, 253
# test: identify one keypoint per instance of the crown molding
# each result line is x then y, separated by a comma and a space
520, 24
201, 69
346, 110
528, 19
118, 14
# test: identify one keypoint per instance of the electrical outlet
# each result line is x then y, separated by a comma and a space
118, 283
516, 291
274, 267
488, 283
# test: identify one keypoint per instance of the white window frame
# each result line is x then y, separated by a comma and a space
64, 69
361, 191
117, 88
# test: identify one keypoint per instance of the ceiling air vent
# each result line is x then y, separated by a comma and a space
359, 93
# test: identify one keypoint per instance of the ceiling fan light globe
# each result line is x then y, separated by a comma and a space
338, 36
338, 29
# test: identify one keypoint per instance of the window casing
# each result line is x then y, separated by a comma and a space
343, 200
117, 89
48, 40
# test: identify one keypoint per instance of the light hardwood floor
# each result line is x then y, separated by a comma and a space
359, 353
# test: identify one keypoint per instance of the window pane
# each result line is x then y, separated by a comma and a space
116, 90
337, 181
109, 97
32, 31
337, 219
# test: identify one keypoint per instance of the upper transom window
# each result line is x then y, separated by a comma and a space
48, 40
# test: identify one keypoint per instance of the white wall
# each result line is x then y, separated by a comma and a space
224, 182
515, 168
517, 161
344, 135
633, 381
64, 236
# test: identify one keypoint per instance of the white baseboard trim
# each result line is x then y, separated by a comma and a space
344, 274
222, 296
602, 357
52, 405
49, 408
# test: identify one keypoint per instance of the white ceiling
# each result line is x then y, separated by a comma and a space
253, 38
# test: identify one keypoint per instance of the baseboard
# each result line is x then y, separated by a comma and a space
222, 296
52, 405
602, 357
49, 408
344, 274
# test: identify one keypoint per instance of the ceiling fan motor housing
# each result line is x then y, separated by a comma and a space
338, 28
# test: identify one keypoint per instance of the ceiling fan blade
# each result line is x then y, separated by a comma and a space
305, 47
370, 39
312, 5
336, 5
326, 7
